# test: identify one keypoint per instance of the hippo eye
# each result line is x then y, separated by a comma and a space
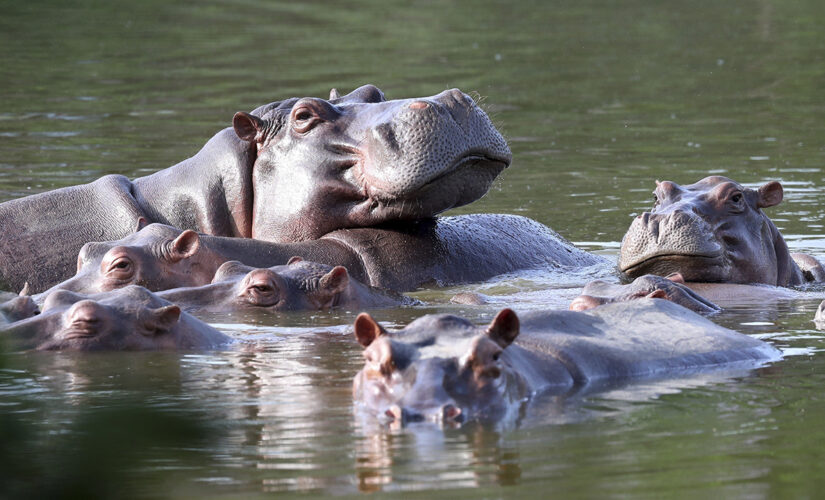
120, 268
655, 199
303, 119
496, 356
736, 198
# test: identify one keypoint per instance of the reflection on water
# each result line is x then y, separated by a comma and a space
597, 101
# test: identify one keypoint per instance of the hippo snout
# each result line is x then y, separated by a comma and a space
446, 413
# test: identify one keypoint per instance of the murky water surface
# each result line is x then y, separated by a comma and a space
597, 99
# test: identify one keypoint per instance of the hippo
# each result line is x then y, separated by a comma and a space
17, 308
672, 288
444, 251
130, 318
298, 285
714, 231
291, 170
443, 368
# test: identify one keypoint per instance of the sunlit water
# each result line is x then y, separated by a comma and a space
597, 100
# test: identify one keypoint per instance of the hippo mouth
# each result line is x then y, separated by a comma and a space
693, 267
464, 181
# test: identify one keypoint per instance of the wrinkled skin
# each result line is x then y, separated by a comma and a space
299, 285
442, 368
130, 318
447, 250
713, 231
650, 286
292, 170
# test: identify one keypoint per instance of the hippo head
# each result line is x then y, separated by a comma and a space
361, 160
440, 368
671, 288
711, 231
130, 318
157, 257
299, 285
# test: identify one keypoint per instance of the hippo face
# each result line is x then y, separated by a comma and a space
712, 231
131, 318
440, 368
671, 288
360, 160
157, 257
299, 285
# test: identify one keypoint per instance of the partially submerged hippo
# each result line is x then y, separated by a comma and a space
672, 288
444, 368
130, 318
299, 285
291, 170
714, 231
446, 250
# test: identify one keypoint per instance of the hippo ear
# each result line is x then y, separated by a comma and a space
333, 94
185, 245
247, 127
657, 294
330, 287
676, 278
367, 329
504, 328
770, 195
585, 302
161, 320
294, 260
25, 291
335, 281
141, 223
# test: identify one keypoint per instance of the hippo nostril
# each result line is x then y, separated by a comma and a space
419, 105
395, 412
450, 413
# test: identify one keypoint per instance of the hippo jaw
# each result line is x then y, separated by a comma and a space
677, 242
360, 160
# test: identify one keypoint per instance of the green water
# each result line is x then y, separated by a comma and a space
597, 100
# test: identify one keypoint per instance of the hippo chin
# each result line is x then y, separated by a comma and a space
292, 170
714, 231
298, 285
130, 318
443, 368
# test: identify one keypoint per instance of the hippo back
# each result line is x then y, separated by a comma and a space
642, 338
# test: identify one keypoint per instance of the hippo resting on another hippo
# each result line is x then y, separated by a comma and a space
714, 231
292, 170
299, 285
446, 250
443, 368
672, 288
131, 318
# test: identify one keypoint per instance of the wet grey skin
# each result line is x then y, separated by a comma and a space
443, 251
672, 288
130, 318
444, 369
292, 170
299, 285
714, 231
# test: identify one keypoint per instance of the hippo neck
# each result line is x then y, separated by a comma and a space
211, 192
